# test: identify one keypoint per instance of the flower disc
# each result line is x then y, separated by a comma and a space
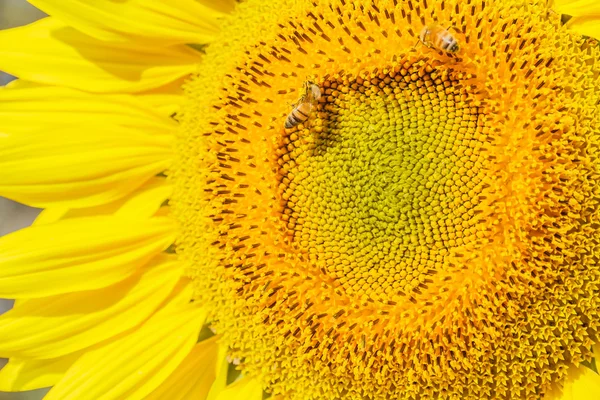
429, 231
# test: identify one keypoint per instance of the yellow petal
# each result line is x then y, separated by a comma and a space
161, 22
73, 59
576, 7
221, 372
143, 203
582, 384
21, 375
54, 326
244, 389
588, 26
225, 6
78, 254
136, 364
26, 107
193, 377
596, 352
50, 215
74, 168
166, 100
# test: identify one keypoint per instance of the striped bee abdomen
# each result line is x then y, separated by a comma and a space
437, 37
298, 115
302, 109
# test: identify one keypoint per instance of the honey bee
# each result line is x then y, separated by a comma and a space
304, 105
437, 37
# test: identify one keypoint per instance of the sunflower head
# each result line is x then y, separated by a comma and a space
357, 200
427, 230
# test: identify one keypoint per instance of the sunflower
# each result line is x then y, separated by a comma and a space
426, 227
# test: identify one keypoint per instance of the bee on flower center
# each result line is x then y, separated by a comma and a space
304, 105
437, 37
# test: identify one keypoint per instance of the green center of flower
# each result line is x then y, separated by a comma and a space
384, 180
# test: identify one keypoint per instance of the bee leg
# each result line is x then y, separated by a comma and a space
300, 100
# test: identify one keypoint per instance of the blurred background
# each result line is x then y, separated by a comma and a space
14, 216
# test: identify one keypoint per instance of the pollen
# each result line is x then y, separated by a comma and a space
429, 231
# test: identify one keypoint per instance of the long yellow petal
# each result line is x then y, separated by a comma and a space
193, 377
582, 384
27, 107
225, 6
221, 372
78, 166
576, 7
50, 215
142, 203
54, 326
78, 254
21, 375
165, 100
588, 26
244, 389
73, 59
134, 365
161, 22
145, 203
